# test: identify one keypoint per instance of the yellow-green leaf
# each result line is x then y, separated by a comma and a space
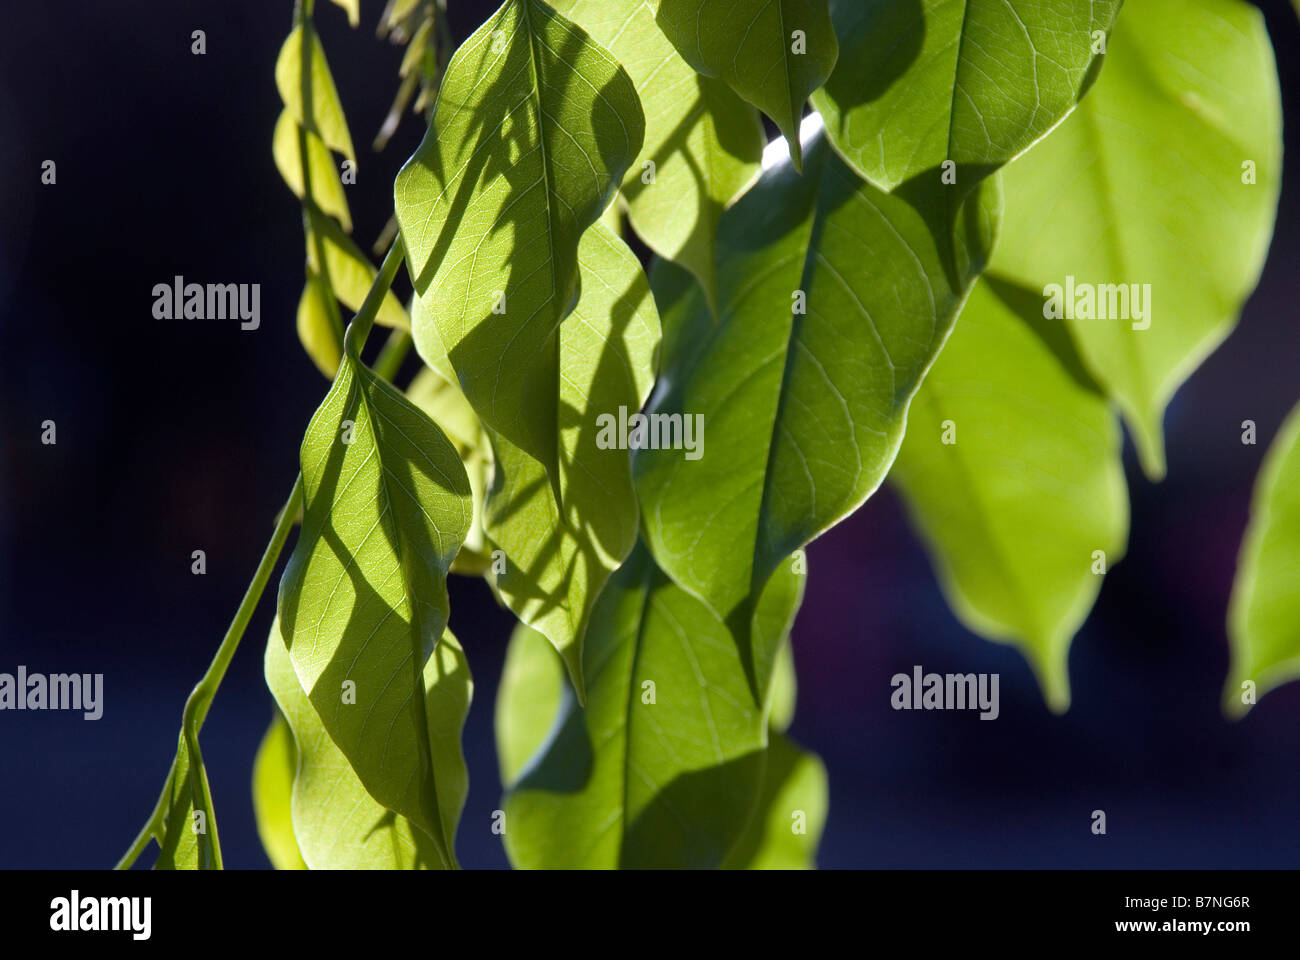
306, 87
1151, 208
702, 142
350, 272
1264, 614
774, 53
337, 823
1011, 469
534, 126
274, 768
326, 184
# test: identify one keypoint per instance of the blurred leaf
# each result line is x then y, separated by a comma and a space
326, 185
310, 95
363, 600
774, 53
558, 556
1015, 508
702, 142
802, 412
1264, 615
350, 272
784, 690
316, 330
532, 131
1144, 185
786, 829
339, 825
353, 8
274, 768
920, 82
664, 766
528, 698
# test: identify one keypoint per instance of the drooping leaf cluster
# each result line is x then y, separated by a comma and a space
636, 457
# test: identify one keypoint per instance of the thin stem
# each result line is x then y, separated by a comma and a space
390, 358
196, 708
359, 328
200, 699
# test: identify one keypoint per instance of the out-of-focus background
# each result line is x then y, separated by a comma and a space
182, 435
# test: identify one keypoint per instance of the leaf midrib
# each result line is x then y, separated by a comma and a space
421, 718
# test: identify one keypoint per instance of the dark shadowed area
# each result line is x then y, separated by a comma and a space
178, 435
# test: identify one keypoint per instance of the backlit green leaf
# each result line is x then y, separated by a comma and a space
784, 690
774, 53
363, 601
274, 768
338, 824
186, 842
532, 131
306, 86
528, 698
835, 300
977, 82
326, 185
1011, 468
786, 829
1146, 185
350, 272
446, 406
315, 329
702, 142
1264, 615
663, 767
558, 557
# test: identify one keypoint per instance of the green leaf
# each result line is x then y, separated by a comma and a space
1033, 485
446, 406
751, 46
802, 412
350, 272
1144, 185
784, 690
363, 600
315, 329
702, 145
786, 829
681, 305
187, 842
326, 185
921, 82
528, 698
1264, 614
353, 8
274, 768
531, 133
559, 555
310, 94
338, 824
663, 767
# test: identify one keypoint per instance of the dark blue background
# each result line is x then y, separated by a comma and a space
175, 436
